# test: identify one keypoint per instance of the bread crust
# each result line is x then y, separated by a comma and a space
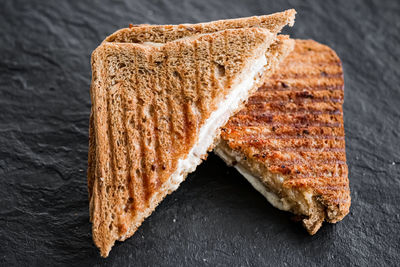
292, 127
166, 33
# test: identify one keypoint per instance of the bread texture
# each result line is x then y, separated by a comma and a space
289, 142
166, 33
149, 106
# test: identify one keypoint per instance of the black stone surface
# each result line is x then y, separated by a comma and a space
216, 217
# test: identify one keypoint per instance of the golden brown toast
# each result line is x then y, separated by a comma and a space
289, 139
156, 110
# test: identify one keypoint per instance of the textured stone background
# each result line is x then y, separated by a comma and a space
215, 218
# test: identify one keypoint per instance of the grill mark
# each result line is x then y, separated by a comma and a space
304, 163
184, 106
137, 182
170, 113
277, 144
316, 178
325, 171
164, 132
212, 70
112, 174
266, 87
287, 136
258, 99
307, 74
320, 62
300, 157
149, 157
308, 149
177, 103
284, 130
297, 125
141, 87
128, 183
324, 181
320, 177
298, 121
284, 117
144, 172
154, 173
260, 112
120, 155
272, 96
190, 97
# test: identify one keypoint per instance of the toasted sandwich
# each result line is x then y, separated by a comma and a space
158, 34
157, 108
288, 141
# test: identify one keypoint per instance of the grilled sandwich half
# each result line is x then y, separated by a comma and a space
157, 108
288, 141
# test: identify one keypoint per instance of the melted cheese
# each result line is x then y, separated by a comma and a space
218, 118
279, 203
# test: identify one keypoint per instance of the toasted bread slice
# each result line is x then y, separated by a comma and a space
156, 110
166, 33
289, 139
155, 34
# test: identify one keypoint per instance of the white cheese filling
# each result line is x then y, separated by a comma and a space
254, 181
218, 118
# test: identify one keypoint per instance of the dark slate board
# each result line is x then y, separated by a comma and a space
216, 217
